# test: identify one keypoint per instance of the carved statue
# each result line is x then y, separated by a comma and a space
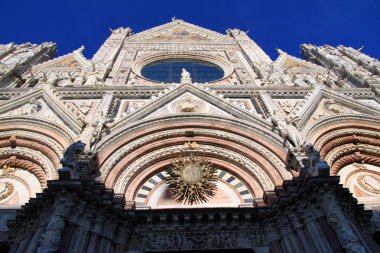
185, 77
33, 107
188, 106
293, 133
234, 79
361, 74
273, 79
70, 157
287, 80
328, 81
8, 168
287, 129
78, 80
65, 80
274, 75
191, 145
121, 30
92, 78
347, 67
332, 106
6, 47
343, 229
53, 233
310, 80
52, 78
3, 69
298, 79
91, 74
41, 77
317, 167
93, 132
133, 79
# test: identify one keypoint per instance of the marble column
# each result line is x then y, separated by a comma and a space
313, 230
330, 235
273, 236
289, 240
81, 233
340, 224
122, 238
95, 232
51, 238
108, 235
300, 232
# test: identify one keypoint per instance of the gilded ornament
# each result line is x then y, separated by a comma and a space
191, 179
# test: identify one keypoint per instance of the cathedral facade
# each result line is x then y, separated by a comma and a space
179, 138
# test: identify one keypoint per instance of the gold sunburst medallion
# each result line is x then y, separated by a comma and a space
192, 179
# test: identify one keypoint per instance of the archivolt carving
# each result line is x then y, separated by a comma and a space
32, 136
61, 134
352, 158
152, 157
321, 126
350, 148
370, 183
34, 146
343, 146
32, 155
348, 137
27, 165
233, 138
219, 123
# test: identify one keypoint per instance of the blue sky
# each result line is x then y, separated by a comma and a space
284, 23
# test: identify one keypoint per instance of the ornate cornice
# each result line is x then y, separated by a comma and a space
313, 131
61, 133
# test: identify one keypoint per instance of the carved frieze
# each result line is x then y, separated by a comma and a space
211, 240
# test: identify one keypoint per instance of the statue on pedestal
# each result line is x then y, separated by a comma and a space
185, 77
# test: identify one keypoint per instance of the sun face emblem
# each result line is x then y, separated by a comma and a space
191, 179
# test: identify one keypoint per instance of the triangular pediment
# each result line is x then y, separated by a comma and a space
73, 60
180, 31
324, 103
189, 99
44, 104
295, 65
188, 102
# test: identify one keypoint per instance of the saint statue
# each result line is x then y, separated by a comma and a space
185, 77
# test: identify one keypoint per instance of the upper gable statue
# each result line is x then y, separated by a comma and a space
185, 77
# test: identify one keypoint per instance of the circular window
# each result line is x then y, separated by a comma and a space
169, 70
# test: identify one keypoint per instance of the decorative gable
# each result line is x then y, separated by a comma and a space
70, 62
178, 30
324, 103
36, 108
189, 99
295, 65
44, 103
179, 33
189, 103
73, 60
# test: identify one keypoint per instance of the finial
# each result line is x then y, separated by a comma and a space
279, 51
81, 49
173, 19
361, 48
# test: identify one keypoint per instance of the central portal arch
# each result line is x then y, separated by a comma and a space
250, 161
